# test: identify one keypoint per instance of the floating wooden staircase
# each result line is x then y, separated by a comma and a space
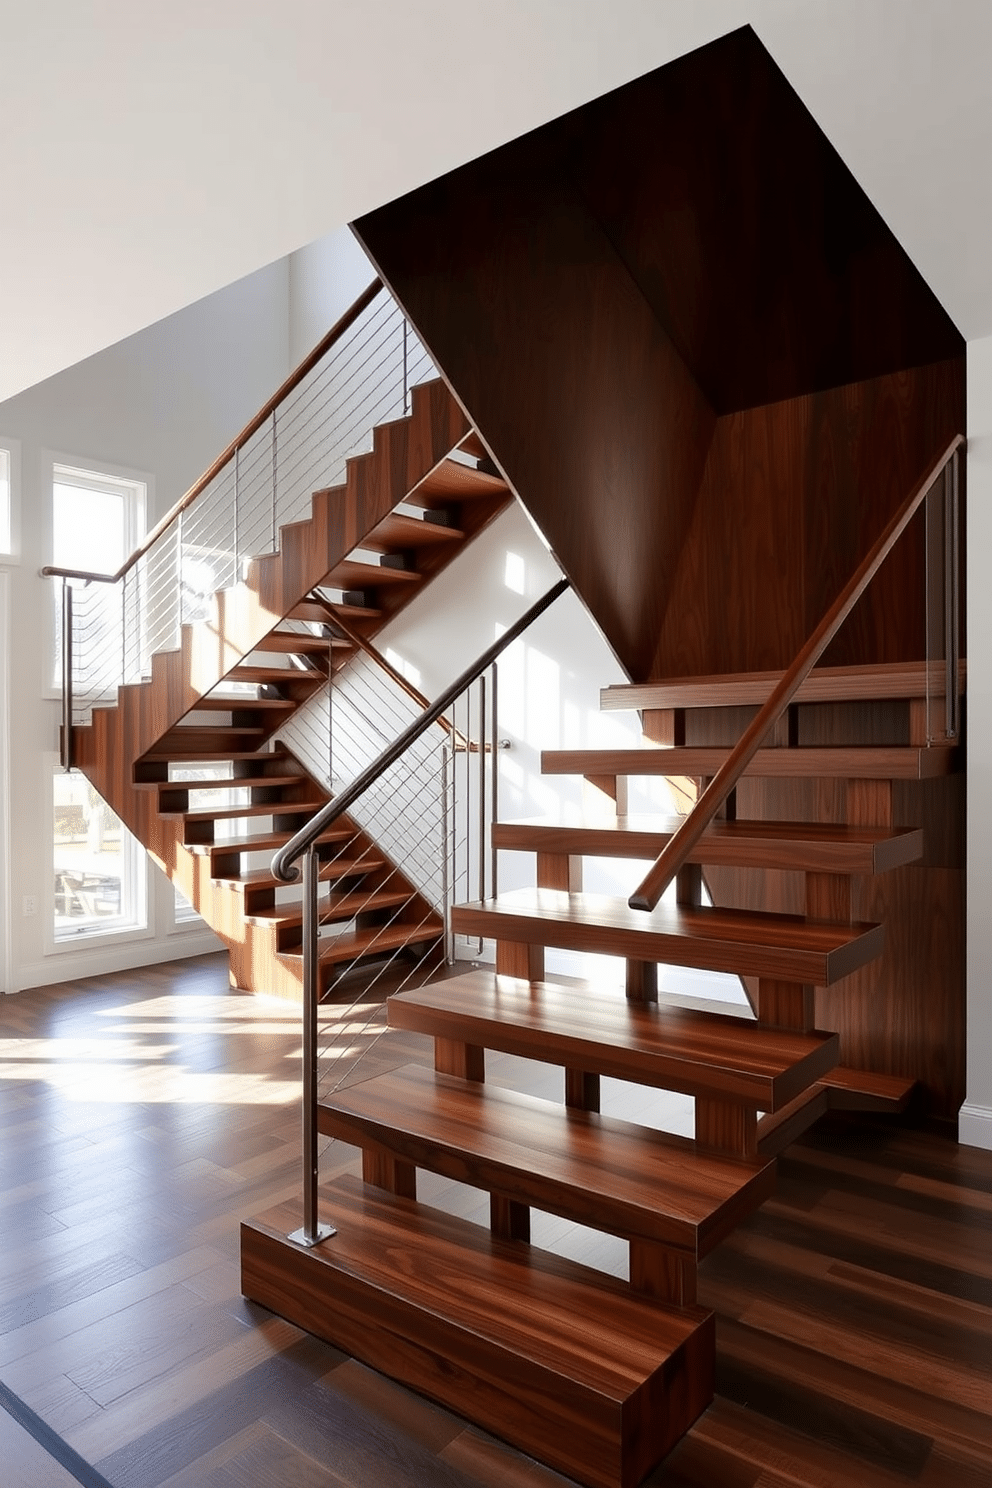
493, 1326
206, 717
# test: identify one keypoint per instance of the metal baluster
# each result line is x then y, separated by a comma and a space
179, 565
446, 849
482, 795
951, 638
65, 752
494, 786
275, 472
237, 481
406, 409
312, 1232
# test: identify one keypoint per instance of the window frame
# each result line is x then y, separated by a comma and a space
94, 475
10, 554
117, 933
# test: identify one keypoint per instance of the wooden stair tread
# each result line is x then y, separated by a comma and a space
264, 808
232, 782
245, 704
195, 733
300, 645
352, 574
784, 947
857, 762
398, 531
160, 756
472, 445
812, 846
373, 939
628, 1180
558, 1358
339, 907
351, 611
894, 680
225, 782
842, 1089
264, 676
672, 1048
267, 840
865, 1090
454, 481
262, 878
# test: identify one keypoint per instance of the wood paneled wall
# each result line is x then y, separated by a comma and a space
792, 497
572, 382
678, 322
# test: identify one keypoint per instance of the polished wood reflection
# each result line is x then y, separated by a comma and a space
143, 1115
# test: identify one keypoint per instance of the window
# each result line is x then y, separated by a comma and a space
9, 470
98, 520
4, 500
100, 870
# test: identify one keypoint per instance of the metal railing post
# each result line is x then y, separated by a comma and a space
237, 512
312, 1232
275, 472
446, 850
406, 408
66, 751
494, 785
951, 577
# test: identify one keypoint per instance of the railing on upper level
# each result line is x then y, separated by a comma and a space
359, 375
941, 610
413, 780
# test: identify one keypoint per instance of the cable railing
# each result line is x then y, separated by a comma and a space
360, 375
938, 491
428, 798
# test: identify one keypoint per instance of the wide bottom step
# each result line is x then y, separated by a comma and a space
562, 1361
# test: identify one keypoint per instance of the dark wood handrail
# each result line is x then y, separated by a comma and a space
680, 845
294, 379
283, 864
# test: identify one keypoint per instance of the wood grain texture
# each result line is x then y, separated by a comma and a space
906, 679
670, 283
837, 761
800, 490
590, 1029
592, 1169
793, 846
878, 1229
596, 422
780, 946
591, 1379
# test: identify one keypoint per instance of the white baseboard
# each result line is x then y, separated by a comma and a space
975, 1126
107, 960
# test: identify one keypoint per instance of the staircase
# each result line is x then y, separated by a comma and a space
203, 727
596, 1375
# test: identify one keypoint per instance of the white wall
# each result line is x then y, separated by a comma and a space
324, 279
549, 685
975, 1123
163, 403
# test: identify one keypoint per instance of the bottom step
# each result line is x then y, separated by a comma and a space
561, 1361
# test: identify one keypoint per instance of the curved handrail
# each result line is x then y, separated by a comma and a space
323, 346
676, 852
284, 860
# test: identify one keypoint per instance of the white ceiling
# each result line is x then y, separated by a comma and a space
150, 154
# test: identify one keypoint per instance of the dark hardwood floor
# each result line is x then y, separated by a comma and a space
143, 1115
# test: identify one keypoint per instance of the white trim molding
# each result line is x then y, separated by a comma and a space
975, 1126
